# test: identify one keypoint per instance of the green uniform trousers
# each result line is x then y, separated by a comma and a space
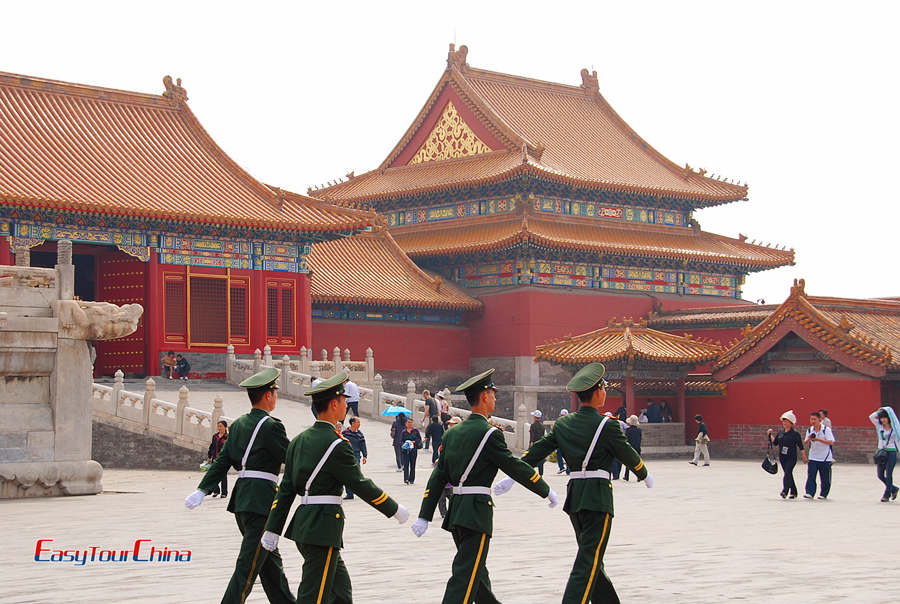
588, 581
470, 581
253, 560
325, 579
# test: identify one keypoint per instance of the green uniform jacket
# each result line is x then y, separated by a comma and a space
321, 524
249, 494
475, 512
572, 435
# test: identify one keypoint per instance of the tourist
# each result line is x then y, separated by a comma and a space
825, 421
701, 442
218, 441
358, 441
182, 367
560, 462
258, 458
396, 430
633, 436
587, 438
535, 433
472, 454
886, 425
168, 364
820, 439
445, 409
410, 443
666, 411
642, 417
318, 465
431, 407
654, 413
789, 442
434, 433
622, 412
352, 391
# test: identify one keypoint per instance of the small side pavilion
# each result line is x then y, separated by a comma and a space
640, 361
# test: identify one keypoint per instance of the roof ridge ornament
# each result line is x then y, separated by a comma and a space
457, 58
174, 91
799, 288
589, 81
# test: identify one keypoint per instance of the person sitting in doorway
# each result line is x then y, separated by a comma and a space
182, 367
169, 363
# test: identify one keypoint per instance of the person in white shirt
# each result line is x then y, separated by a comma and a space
820, 438
352, 392
886, 425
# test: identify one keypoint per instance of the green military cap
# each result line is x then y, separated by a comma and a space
587, 377
261, 379
482, 381
330, 388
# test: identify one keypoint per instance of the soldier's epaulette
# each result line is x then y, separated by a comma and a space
344, 438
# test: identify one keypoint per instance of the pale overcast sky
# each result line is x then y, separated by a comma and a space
797, 98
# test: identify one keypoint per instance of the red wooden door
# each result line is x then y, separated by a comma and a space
121, 281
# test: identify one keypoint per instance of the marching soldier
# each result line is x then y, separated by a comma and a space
320, 463
590, 441
256, 449
471, 454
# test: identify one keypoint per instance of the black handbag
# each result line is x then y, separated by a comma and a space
768, 465
881, 455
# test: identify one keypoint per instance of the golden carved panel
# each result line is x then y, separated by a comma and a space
451, 137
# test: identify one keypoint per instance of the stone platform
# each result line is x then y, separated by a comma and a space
711, 534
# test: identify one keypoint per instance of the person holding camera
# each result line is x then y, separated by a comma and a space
885, 421
820, 439
788, 442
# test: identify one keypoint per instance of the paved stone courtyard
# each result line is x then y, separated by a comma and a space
711, 534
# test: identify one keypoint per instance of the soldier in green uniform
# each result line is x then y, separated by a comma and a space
256, 449
471, 454
588, 440
320, 463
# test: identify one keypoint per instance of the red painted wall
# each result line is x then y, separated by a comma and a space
761, 399
515, 322
396, 345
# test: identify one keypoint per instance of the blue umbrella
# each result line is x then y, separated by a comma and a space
395, 410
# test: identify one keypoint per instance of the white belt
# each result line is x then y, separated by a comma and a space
262, 475
589, 474
471, 490
320, 500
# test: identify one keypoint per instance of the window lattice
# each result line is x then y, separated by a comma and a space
176, 317
272, 312
287, 313
208, 310
239, 311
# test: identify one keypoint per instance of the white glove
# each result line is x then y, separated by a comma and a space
649, 481
419, 527
402, 514
269, 541
194, 499
553, 498
503, 486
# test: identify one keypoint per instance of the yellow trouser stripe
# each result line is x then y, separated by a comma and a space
249, 582
475, 569
587, 590
380, 499
639, 466
324, 576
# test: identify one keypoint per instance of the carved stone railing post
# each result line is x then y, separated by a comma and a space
347, 354
257, 360
118, 386
377, 390
65, 270
23, 255
149, 395
522, 425
283, 377
336, 358
304, 363
324, 355
411, 398
267, 356
370, 366
217, 411
179, 409
229, 364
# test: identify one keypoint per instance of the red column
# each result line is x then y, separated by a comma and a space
629, 396
5, 255
153, 314
304, 311
680, 406
258, 310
